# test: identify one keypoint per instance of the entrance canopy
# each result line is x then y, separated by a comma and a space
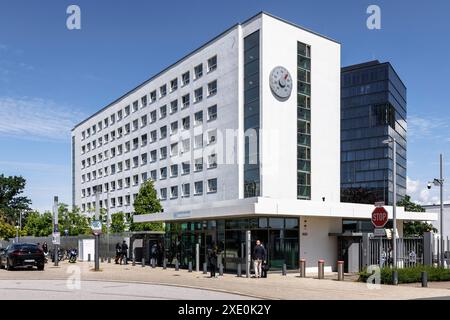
273, 207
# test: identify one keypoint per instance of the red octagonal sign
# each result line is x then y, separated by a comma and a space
379, 217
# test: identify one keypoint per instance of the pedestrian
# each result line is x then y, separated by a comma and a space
154, 254
265, 265
259, 257
118, 253
212, 258
45, 248
124, 255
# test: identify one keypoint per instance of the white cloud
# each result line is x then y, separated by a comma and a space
422, 127
34, 118
412, 185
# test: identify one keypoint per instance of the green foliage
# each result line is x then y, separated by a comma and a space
414, 228
118, 222
7, 231
147, 202
409, 275
38, 225
11, 200
73, 221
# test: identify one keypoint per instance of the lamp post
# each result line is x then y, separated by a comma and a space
440, 183
394, 199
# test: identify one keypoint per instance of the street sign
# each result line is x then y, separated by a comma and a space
379, 232
379, 217
96, 227
56, 239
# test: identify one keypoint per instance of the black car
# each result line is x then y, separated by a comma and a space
22, 255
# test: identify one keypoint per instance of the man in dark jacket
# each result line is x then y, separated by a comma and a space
118, 253
212, 258
259, 257
124, 252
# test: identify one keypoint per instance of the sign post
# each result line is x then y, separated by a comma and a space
56, 239
96, 228
379, 220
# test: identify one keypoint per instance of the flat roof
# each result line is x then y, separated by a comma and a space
195, 51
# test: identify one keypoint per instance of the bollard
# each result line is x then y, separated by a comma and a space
101, 259
205, 268
190, 266
143, 262
302, 268
221, 270
109, 259
177, 266
239, 270
424, 276
340, 270
395, 277
284, 270
133, 262
153, 263
89, 257
164, 264
321, 269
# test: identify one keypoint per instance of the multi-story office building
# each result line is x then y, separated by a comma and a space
242, 134
373, 109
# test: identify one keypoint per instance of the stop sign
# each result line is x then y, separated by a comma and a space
379, 217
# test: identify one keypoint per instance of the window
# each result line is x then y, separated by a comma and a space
88, 131
186, 123
119, 166
119, 149
212, 113
119, 132
212, 161
163, 173
198, 188
186, 101
144, 101
143, 121
174, 85
127, 111
153, 96
163, 91
113, 152
174, 127
135, 180
153, 156
173, 170
198, 141
212, 64
163, 112
163, 132
198, 118
106, 138
174, 192
135, 143
212, 185
212, 136
163, 194
186, 145
173, 106
127, 182
198, 95
185, 78
144, 159
119, 184
113, 185
143, 140
163, 153
127, 128
127, 146
127, 164
94, 129
212, 88
153, 136
135, 106
135, 124
198, 71
144, 176
119, 116
198, 164
186, 190
153, 175
106, 122
174, 149
100, 126
153, 116
185, 168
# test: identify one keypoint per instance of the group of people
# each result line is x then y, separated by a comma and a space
121, 252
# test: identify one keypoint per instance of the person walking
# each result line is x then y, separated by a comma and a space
212, 258
259, 257
154, 254
118, 253
124, 255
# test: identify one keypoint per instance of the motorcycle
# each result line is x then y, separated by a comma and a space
73, 255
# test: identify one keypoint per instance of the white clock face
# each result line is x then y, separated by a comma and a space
281, 82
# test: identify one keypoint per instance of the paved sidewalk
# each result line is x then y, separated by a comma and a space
274, 287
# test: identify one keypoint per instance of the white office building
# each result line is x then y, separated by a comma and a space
241, 134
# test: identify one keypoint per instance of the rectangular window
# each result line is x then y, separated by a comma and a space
186, 101
127, 128
119, 116
135, 143
153, 136
174, 149
173, 106
144, 159
198, 141
212, 161
185, 167
186, 190
153, 175
212, 136
212, 64
198, 188
127, 111
163, 112
153, 116
163, 194
135, 125
212, 113
198, 118
135, 180
153, 96
144, 101
212, 88
173, 170
153, 156
135, 106
163, 173
163, 132
143, 121
198, 164
162, 91
198, 71
174, 127
186, 123
163, 153
174, 85
212, 185
185, 78
135, 162
174, 192
198, 95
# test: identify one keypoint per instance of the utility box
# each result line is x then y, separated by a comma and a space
86, 247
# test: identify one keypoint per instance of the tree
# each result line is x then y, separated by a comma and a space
414, 228
72, 221
11, 200
7, 231
118, 222
39, 225
147, 202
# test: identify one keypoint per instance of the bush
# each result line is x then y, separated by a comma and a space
409, 275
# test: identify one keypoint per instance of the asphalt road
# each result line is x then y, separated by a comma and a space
103, 290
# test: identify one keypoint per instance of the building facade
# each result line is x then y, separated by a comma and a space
373, 109
238, 136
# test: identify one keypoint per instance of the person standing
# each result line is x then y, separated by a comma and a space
259, 257
124, 254
118, 252
212, 258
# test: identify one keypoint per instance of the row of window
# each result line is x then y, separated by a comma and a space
164, 194
143, 121
152, 97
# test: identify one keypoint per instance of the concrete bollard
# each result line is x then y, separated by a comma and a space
205, 268
133, 263
424, 277
109, 259
89, 257
340, 265
284, 270
177, 266
321, 269
302, 268
143, 262
221, 270
164, 264
395, 278
239, 270
190, 266
153, 263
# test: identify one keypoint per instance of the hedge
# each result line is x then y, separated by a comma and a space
409, 274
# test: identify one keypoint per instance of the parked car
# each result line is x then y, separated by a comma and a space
22, 255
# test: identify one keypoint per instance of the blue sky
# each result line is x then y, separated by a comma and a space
51, 78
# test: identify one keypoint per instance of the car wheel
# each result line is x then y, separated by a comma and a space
9, 267
40, 268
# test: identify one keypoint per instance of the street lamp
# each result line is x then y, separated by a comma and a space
394, 199
440, 183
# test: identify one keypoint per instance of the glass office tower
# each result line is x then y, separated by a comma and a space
373, 109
